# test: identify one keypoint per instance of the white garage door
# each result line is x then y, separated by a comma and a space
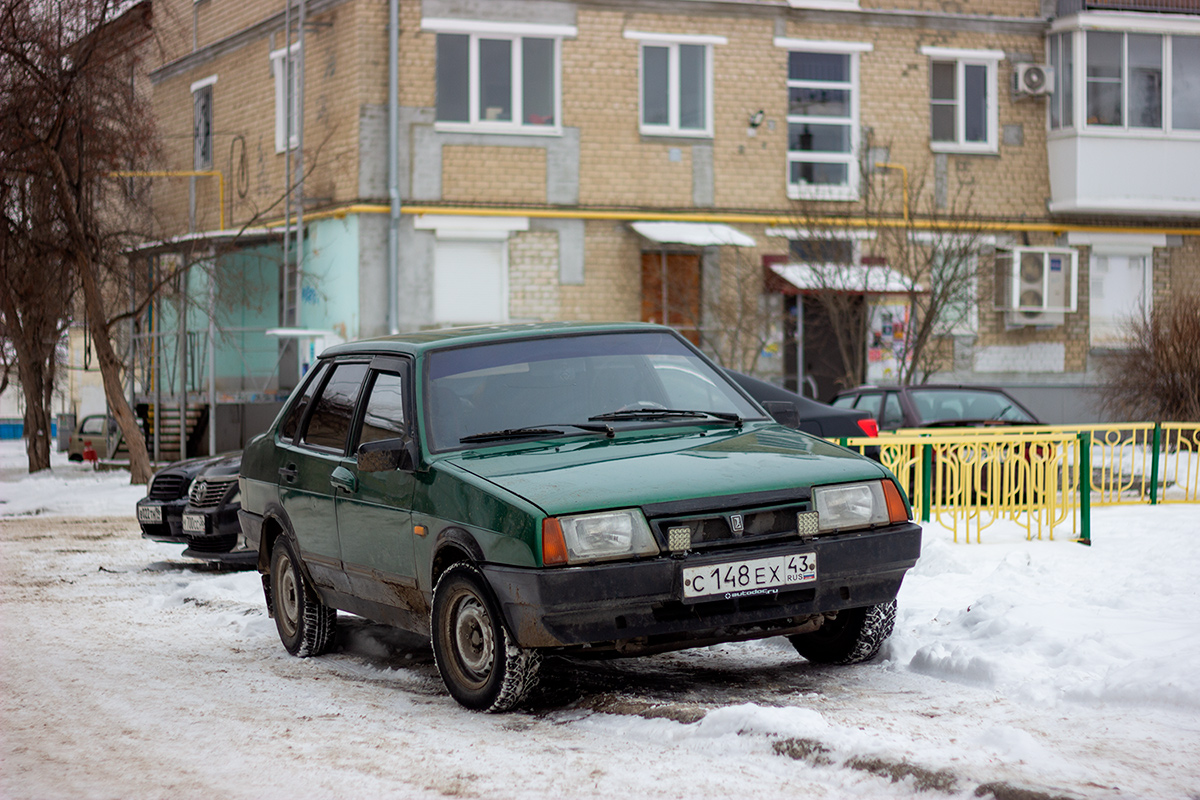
470, 282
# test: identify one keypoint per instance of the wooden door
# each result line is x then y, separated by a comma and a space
682, 295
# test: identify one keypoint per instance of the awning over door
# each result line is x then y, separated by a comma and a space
857, 279
696, 234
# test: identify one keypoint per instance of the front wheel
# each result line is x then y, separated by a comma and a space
481, 666
855, 635
305, 624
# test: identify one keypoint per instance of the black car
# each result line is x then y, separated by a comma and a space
811, 416
195, 503
936, 406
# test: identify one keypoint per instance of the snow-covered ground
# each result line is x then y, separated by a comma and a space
1024, 669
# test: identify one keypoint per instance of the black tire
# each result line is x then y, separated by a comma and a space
481, 665
854, 636
305, 624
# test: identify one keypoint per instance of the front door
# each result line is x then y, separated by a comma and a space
374, 509
671, 281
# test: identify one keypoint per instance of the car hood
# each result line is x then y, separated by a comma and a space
639, 468
223, 466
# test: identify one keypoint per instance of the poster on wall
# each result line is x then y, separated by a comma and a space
885, 341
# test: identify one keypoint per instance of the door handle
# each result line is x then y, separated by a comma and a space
342, 478
288, 473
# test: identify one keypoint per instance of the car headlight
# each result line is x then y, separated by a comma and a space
596, 537
858, 505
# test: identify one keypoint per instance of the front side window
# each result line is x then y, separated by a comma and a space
498, 82
963, 100
822, 124
676, 84
384, 415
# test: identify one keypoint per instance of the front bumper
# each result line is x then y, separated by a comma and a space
161, 520
211, 532
636, 607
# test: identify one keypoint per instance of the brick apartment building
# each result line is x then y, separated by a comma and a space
553, 160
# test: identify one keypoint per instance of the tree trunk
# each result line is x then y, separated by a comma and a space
37, 416
110, 374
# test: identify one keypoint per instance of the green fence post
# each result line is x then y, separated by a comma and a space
1085, 488
1154, 448
926, 480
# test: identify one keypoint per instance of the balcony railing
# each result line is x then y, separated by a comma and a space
1068, 7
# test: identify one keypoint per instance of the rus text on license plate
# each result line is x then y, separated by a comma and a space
149, 514
193, 523
754, 576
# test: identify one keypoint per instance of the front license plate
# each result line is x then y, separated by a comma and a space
193, 523
149, 514
744, 578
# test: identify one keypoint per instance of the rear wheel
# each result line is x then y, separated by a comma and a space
305, 624
482, 667
855, 635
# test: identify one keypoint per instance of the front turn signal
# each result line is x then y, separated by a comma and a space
897, 511
554, 547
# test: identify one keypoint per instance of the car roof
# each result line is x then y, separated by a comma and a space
418, 342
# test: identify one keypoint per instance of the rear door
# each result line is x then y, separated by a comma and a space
307, 464
374, 509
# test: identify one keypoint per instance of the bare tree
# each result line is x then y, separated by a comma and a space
72, 116
918, 248
1157, 374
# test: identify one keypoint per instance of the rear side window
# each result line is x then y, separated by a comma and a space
291, 425
329, 425
845, 401
893, 417
869, 403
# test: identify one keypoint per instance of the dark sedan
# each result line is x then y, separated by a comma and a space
195, 503
936, 406
810, 416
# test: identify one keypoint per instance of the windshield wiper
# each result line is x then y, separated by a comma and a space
662, 413
521, 433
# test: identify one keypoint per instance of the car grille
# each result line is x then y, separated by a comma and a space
207, 492
168, 487
709, 530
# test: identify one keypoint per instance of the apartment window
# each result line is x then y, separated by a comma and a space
287, 94
822, 118
202, 143
499, 77
1062, 101
963, 99
676, 83
1146, 81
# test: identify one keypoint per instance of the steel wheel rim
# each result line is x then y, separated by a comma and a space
473, 640
287, 596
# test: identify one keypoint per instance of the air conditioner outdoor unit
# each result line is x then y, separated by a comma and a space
1036, 285
1033, 79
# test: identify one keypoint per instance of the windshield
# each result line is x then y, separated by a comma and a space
541, 383
948, 405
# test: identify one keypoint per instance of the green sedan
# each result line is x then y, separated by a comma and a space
584, 489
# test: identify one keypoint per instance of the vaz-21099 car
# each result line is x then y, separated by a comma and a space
563, 488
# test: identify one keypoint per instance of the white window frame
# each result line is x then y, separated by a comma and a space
850, 191
990, 60
279, 69
1167, 26
513, 32
672, 42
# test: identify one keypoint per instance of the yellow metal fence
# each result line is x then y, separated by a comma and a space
1044, 479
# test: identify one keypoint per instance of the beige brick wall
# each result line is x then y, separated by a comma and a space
533, 290
613, 288
482, 174
244, 122
1184, 268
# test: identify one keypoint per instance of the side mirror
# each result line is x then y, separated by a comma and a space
783, 412
386, 455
